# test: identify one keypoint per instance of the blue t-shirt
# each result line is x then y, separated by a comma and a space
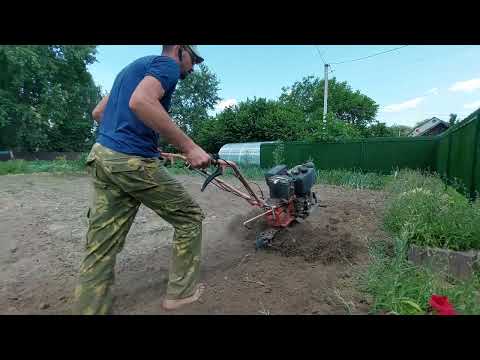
120, 129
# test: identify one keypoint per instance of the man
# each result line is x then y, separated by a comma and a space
126, 173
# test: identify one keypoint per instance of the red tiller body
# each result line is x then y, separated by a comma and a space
282, 217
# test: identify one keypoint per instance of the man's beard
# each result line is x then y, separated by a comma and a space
184, 75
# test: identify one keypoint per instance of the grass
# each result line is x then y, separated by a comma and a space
399, 287
37, 166
353, 179
430, 213
421, 210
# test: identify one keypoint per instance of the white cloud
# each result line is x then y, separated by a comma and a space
473, 105
225, 103
409, 104
433, 91
466, 86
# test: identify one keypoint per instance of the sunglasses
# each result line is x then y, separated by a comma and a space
192, 56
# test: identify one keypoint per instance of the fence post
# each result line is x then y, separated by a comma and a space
448, 159
434, 162
473, 183
363, 160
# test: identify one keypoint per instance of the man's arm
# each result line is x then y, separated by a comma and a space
97, 113
146, 105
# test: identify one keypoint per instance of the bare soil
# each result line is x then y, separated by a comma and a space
42, 235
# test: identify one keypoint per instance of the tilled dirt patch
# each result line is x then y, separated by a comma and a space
42, 237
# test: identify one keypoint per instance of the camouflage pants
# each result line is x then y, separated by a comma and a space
121, 184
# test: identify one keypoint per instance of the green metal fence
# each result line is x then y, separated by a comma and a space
453, 154
379, 154
458, 152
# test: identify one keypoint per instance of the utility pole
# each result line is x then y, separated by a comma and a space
325, 97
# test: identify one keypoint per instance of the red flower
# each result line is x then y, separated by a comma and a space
442, 305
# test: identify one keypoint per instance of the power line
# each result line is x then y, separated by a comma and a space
323, 60
440, 114
369, 56
319, 53
458, 114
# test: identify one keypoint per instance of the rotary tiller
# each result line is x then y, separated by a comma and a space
291, 198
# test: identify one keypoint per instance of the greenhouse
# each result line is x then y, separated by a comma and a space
242, 153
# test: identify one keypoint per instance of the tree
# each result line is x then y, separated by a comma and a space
46, 97
346, 105
296, 116
378, 129
193, 98
400, 130
251, 121
333, 130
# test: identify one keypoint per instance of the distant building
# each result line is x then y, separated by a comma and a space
430, 127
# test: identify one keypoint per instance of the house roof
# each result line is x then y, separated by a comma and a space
426, 125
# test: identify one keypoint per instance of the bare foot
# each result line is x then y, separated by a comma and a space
168, 304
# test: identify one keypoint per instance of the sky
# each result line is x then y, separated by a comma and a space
410, 84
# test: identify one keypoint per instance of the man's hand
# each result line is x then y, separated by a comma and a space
198, 158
